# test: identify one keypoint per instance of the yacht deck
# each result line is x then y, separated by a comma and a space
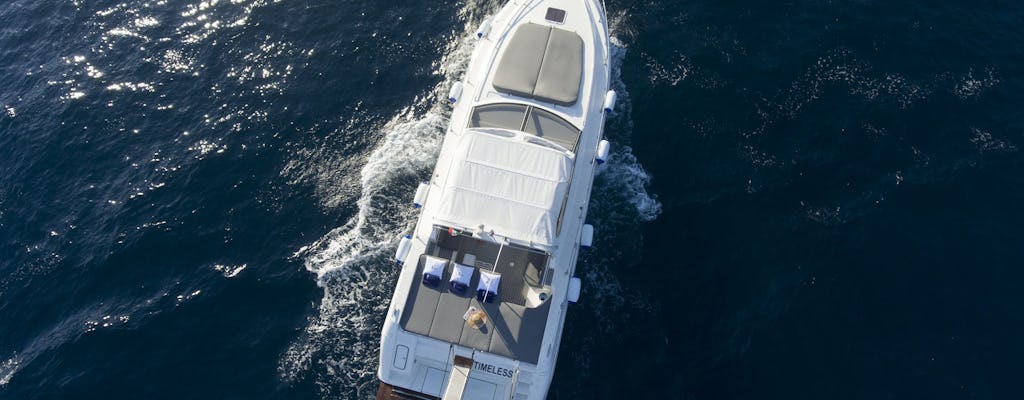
512, 329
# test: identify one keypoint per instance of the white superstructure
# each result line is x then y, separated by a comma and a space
503, 214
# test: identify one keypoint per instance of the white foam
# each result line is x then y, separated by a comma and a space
986, 143
632, 180
7, 370
229, 271
352, 263
971, 85
408, 148
842, 66
671, 75
627, 177
88, 319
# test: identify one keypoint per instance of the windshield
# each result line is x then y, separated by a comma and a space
529, 119
502, 115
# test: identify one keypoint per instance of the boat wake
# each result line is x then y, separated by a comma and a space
353, 264
7, 370
338, 350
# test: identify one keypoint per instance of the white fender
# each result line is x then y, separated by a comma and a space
575, 284
587, 238
455, 92
484, 28
421, 195
403, 249
602, 151
609, 101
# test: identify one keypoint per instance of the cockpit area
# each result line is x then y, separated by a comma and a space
460, 273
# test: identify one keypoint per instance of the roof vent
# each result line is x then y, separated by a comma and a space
555, 15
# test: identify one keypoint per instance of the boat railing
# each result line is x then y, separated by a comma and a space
450, 362
515, 382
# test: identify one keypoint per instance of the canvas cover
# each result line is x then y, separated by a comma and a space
508, 185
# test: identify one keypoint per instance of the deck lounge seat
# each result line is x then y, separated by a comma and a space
542, 62
459, 281
433, 267
487, 289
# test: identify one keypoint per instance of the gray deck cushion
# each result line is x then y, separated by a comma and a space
542, 62
421, 304
448, 320
520, 65
559, 79
479, 338
534, 272
515, 334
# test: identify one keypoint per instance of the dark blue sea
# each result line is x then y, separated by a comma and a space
805, 199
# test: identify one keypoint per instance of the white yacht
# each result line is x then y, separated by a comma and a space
487, 276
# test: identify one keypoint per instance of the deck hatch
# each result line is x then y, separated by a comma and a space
555, 15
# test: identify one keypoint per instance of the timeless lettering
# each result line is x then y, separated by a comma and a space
492, 369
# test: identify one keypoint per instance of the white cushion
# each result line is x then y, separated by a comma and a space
489, 281
461, 274
434, 266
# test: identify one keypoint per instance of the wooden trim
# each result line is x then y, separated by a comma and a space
388, 392
463, 361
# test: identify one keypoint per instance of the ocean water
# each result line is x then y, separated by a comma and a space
807, 199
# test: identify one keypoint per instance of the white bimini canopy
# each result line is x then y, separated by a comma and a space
509, 185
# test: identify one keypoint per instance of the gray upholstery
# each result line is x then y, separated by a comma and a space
559, 79
533, 274
419, 315
542, 62
479, 338
520, 65
448, 320
511, 335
